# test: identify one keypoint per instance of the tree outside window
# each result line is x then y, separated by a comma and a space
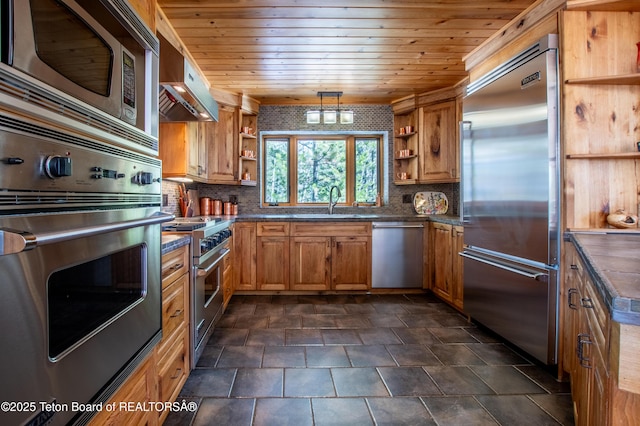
302, 170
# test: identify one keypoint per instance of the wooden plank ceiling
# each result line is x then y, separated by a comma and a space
374, 51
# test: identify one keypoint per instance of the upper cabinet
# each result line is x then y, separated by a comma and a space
222, 152
426, 138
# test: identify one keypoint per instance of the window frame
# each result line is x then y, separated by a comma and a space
350, 140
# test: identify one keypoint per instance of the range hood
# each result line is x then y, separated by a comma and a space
183, 95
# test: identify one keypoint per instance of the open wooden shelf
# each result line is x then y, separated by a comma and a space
611, 155
620, 80
604, 5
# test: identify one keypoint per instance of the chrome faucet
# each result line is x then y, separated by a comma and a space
332, 203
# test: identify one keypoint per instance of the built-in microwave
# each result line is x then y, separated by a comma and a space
83, 52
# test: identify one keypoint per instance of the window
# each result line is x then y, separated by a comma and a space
300, 170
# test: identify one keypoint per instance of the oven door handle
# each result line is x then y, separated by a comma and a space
14, 241
203, 272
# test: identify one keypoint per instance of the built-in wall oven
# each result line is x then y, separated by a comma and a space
80, 243
211, 243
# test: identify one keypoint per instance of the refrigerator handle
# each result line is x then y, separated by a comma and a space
462, 127
538, 276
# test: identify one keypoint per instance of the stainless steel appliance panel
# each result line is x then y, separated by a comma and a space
517, 301
509, 161
397, 254
86, 369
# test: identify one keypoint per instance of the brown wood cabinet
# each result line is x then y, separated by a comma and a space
220, 139
438, 142
330, 255
444, 263
272, 256
172, 353
600, 354
426, 138
183, 154
244, 248
205, 151
310, 263
227, 274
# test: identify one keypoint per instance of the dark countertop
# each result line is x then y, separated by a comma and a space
613, 263
337, 217
171, 242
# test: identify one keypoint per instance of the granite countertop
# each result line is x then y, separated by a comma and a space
171, 242
613, 262
337, 217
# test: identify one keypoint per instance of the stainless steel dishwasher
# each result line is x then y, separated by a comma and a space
397, 255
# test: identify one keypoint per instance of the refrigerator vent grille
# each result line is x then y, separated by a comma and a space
547, 43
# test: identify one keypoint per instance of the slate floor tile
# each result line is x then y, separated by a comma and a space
241, 356
378, 336
408, 381
237, 412
209, 382
399, 411
456, 355
369, 356
408, 355
506, 379
303, 337
308, 382
358, 382
265, 337
282, 412
512, 409
459, 410
457, 381
258, 383
283, 356
341, 412
341, 337
327, 356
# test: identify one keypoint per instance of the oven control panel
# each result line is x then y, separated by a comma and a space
28, 163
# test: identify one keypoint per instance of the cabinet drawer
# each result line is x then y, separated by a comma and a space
174, 264
273, 229
332, 229
174, 305
173, 370
597, 316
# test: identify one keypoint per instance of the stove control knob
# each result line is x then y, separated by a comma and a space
56, 166
144, 178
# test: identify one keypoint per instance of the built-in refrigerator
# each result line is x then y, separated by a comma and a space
510, 200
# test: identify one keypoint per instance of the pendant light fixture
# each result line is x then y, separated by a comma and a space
329, 116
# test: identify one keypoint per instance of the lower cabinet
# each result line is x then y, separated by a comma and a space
310, 263
272, 256
594, 353
445, 268
244, 250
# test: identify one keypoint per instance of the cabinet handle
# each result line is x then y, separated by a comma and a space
574, 267
583, 339
178, 373
177, 266
177, 313
586, 302
572, 305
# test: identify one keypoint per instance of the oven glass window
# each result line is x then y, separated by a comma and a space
84, 298
69, 46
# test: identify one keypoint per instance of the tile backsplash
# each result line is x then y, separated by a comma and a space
292, 119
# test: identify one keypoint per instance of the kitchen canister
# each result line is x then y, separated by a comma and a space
205, 206
217, 207
227, 208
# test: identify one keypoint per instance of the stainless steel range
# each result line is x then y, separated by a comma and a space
211, 241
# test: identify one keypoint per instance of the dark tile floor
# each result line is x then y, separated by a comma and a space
364, 360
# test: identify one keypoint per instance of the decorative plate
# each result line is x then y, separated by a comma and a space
430, 203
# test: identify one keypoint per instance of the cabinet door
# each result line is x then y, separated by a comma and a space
222, 147
351, 263
457, 285
441, 266
272, 263
438, 143
310, 263
244, 249
196, 151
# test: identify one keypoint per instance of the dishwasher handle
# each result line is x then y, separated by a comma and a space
381, 226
